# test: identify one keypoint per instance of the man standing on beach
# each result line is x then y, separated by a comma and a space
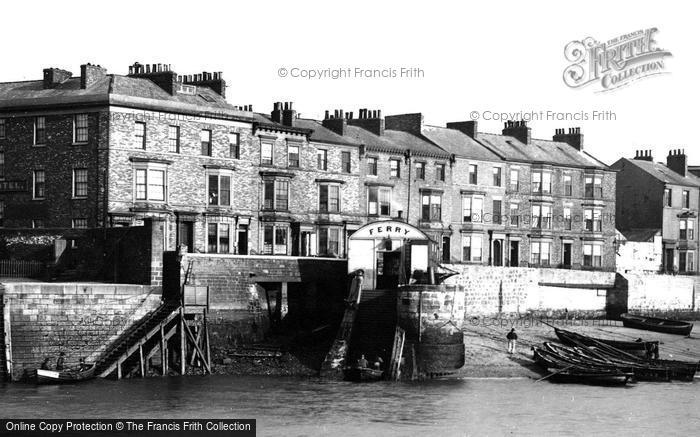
512, 339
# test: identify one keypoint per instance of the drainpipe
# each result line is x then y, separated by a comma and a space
408, 203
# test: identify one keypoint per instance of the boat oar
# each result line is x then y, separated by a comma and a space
554, 373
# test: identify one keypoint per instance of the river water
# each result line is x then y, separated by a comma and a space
296, 407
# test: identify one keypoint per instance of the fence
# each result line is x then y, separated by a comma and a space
12, 268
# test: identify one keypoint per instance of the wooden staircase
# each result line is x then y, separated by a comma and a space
375, 326
130, 352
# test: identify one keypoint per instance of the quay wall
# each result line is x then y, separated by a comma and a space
78, 319
533, 292
245, 291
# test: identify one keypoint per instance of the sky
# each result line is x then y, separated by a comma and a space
482, 57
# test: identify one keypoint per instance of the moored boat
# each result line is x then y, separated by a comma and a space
363, 374
640, 347
65, 376
656, 324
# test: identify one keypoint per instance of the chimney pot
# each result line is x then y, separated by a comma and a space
341, 114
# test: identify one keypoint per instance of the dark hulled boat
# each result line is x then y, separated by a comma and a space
565, 370
656, 324
363, 374
65, 376
636, 347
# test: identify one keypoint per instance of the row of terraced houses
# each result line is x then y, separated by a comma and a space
104, 150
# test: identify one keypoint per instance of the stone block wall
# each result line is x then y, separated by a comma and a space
78, 319
661, 294
239, 303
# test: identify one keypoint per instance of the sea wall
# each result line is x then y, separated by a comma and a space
517, 291
520, 292
43, 319
248, 294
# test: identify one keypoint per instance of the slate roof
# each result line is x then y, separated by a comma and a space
663, 173
540, 151
322, 134
114, 89
394, 141
458, 143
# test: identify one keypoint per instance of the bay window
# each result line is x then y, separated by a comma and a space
276, 194
150, 182
542, 216
431, 206
275, 238
329, 241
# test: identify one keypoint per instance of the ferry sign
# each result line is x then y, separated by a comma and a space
389, 229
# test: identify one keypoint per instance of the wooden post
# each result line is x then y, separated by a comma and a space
206, 338
183, 346
119, 369
163, 358
142, 364
8, 335
284, 301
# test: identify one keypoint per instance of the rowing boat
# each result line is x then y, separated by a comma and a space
639, 347
65, 376
656, 324
363, 374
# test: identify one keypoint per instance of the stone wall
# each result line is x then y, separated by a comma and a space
662, 294
245, 290
492, 291
78, 319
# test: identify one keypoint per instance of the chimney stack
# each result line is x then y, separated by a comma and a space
215, 81
369, 120
55, 76
411, 123
518, 129
336, 122
283, 113
644, 155
90, 74
677, 161
163, 77
574, 138
466, 127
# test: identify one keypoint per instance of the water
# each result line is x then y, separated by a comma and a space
297, 407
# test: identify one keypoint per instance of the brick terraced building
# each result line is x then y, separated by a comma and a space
102, 150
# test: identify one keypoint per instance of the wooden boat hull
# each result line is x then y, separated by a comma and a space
656, 324
636, 347
592, 378
570, 371
363, 374
64, 376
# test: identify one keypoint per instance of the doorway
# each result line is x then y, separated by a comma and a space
669, 261
566, 260
446, 250
242, 241
185, 235
497, 252
514, 253
388, 269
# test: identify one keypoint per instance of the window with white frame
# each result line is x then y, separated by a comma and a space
80, 129
540, 252
687, 229
39, 131
686, 261
329, 197
420, 170
431, 206
329, 241
205, 141
80, 182
514, 214
379, 201
541, 182
234, 145
174, 139
440, 172
39, 184
592, 220
592, 255
472, 209
276, 194
686, 199
219, 187
567, 218
541, 216
219, 237
472, 248
593, 186
568, 185
140, 134
275, 239
322, 159
514, 184
497, 171
293, 155
394, 168
371, 166
668, 197
150, 182
266, 153
473, 174
345, 162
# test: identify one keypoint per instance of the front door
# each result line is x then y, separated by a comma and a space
242, 247
567, 255
669, 260
388, 269
497, 252
185, 235
514, 253
446, 250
